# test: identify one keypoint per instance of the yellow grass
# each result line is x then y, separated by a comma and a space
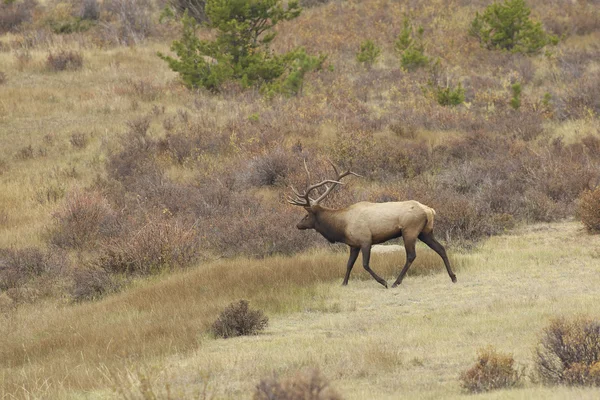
412, 341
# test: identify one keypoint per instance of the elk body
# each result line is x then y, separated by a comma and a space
364, 224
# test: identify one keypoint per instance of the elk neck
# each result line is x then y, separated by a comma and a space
330, 223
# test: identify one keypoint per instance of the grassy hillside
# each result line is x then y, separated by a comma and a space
155, 206
370, 342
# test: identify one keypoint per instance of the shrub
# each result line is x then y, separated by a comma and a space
18, 266
515, 102
91, 284
82, 219
239, 320
450, 96
493, 370
368, 53
64, 60
508, 26
305, 385
129, 21
193, 8
13, 14
569, 352
151, 248
410, 48
588, 210
2, 78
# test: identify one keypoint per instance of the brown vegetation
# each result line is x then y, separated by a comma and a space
239, 320
493, 370
569, 352
305, 385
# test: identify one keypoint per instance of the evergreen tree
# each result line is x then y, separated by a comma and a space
508, 26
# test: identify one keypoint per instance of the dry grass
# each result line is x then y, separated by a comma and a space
371, 341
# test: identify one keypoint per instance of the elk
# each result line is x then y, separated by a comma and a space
364, 224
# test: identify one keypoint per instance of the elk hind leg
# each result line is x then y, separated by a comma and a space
411, 254
366, 256
430, 241
353, 256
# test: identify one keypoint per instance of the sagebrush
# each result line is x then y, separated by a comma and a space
238, 319
492, 370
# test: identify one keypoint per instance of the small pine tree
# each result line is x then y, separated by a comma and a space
368, 53
411, 49
515, 102
241, 49
508, 26
450, 96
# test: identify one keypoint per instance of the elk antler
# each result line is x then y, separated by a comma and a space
303, 199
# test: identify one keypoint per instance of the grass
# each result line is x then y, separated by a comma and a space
367, 340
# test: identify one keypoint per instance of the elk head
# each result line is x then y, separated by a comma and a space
312, 205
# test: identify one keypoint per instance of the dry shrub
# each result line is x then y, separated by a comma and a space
569, 352
3, 78
82, 219
79, 140
239, 320
129, 21
13, 14
64, 60
91, 284
145, 89
305, 385
588, 210
19, 266
492, 370
155, 246
269, 169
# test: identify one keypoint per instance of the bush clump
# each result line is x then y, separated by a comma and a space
305, 385
569, 352
507, 26
239, 320
450, 96
588, 210
91, 284
492, 370
64, 60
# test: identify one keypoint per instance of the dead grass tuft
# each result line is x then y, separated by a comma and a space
305, 385
493, 370
588, 210
239, 320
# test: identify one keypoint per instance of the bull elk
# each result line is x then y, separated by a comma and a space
364, 224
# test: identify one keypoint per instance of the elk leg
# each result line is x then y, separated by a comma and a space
411, 254
366, 256
353, 256
430, 241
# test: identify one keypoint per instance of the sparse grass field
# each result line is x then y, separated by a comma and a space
163, 205
411, 342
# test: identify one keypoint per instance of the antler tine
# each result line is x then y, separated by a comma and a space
340, 176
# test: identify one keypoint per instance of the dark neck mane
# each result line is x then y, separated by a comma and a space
330, 225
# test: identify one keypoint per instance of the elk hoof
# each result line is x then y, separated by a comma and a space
453, 277
395, 285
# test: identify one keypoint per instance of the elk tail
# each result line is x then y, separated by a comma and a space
430, 212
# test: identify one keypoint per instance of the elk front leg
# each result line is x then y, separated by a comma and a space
353, 256
366, 256
411, 254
